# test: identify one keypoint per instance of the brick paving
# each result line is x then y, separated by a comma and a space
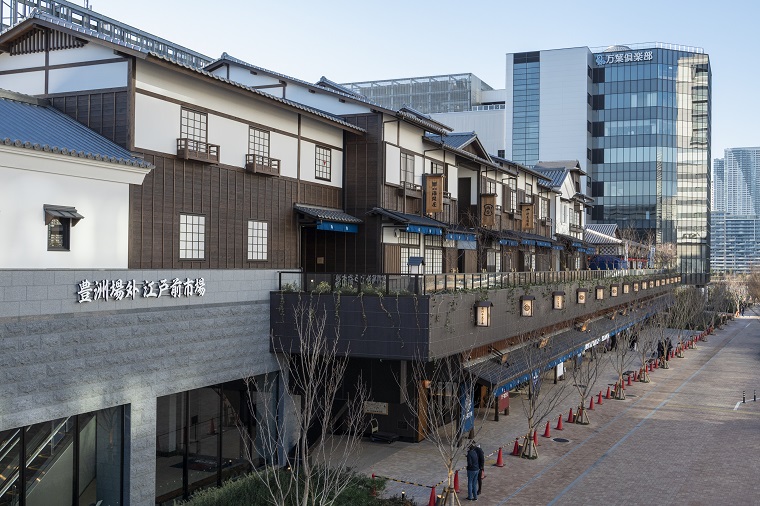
680, 439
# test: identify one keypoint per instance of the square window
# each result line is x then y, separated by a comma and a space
407, 170
192, 237
257, 240
323, 165
258, 142
193, 125
58, 234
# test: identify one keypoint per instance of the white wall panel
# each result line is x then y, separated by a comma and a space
390, 129
285, 149
322, 100
321, 132
392, 164
30, 83
308, 165
231, 136
21, 61
91, 77
89, 52
411, 137
453, 172
156, 124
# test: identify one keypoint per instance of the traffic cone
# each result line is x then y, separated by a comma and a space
608, 393
516, 451
629, 380
432, 500
591, 404
546, 431
211, 428
622, 385
456, 481
535, 437
656, 362
559, 422
570, 416
499, 459
599, 399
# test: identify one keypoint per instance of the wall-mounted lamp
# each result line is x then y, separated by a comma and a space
657, 283
643, 285
636, 286
526, 305
626, 288
599, 292
558, 300
614, 290
483, 313
580, 295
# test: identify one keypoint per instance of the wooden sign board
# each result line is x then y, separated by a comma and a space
528, 213
488, 209
433, 193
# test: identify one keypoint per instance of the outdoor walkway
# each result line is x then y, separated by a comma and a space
681, 439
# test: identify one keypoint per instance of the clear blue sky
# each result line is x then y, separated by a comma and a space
360, 41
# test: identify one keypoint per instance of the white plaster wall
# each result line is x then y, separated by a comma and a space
285, 149
30, 83
231, 136
88, 52
411, 137
323, 100
157, 124
91, 77
453, 172
489, 125
22, 61
308, 165
392, 164
322, 132
564, 109
390, 129
98, 241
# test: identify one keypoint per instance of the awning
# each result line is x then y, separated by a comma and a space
508, 242
535, 240
62, 212
420, 229
329, 219
414, 222
558, 247
456, 236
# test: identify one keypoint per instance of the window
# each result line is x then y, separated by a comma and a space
528, 193
487, 185
257, 240
407, 170
408, 239
323, 168
192, 236
193, 125
258, 142
433, 254
544, 211
58, 234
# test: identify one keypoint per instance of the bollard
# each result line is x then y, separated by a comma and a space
744, 398
754, 395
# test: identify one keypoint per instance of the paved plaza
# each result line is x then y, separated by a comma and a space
684, 438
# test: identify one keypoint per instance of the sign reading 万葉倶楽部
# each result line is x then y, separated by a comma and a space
632, 56
117, 289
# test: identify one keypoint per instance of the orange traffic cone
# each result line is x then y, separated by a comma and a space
432, 500
599, 399
559, 422
535, 437
591, 404
608, 393
516, 450
570, 416
629, 380
456, 481
499, 459
546, 431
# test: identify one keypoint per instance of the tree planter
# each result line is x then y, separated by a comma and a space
581, 417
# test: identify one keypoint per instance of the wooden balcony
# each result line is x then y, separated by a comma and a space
263, 165
190, 149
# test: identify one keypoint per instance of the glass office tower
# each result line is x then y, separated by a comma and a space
650, 150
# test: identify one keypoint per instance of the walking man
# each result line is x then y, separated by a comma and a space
481, 465
473, 470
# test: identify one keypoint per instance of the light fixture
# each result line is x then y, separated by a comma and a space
526, 305
643, 285
657, 283
626, 288
599, 292
581, 295
558, 300
483, 313
614, 290
636, 286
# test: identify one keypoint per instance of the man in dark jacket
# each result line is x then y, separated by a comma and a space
473, 470
481, 465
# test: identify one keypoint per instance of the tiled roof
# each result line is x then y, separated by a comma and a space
594, 237
557, 176
457, 139
27, 124
326, 213
422, 120
412, 219
454, 141
560, 164
604, 228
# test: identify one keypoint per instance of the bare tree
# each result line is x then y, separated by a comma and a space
586, 370
622, 346
444, 412
539, 402
647, 337
315, 470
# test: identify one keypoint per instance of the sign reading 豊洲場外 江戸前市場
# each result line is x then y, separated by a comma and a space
117, 289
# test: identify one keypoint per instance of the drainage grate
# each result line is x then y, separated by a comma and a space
561, 440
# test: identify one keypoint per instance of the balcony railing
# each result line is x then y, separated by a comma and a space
259, 164
190, 149
425, 284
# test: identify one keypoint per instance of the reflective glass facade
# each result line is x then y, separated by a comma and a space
526, 89
735, 242
651, 149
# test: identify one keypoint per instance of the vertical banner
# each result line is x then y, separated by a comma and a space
488, 210
466, 407
528, 213
433, 193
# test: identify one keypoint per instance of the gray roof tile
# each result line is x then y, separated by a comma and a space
326, 213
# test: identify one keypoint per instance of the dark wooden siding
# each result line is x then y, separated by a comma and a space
392, 258
106, 113
228, 198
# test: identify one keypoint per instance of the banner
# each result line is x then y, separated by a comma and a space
466, 407
488, 210
528, 212
433, 193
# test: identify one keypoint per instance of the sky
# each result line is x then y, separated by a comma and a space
363, 41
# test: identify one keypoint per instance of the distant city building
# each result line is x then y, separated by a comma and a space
735, 238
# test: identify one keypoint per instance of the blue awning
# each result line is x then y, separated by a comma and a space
544, 244
455, 236
421, 229
333, 226
508, 242
558, 247
577, 245
528, 242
